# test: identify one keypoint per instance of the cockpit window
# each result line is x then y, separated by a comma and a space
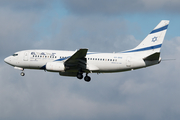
15, 54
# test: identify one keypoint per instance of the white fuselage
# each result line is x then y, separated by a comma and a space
96, 62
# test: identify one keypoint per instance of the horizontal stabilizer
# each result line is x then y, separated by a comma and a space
153, 57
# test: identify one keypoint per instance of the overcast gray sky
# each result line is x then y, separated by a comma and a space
101, 26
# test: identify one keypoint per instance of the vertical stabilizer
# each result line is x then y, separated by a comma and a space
154, 40
156, 37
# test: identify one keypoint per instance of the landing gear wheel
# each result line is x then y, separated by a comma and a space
87, 78
22, 74
79, 76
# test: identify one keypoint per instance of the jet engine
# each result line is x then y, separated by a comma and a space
55, 66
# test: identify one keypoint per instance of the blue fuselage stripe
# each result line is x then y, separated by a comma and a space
144, 49
159, 29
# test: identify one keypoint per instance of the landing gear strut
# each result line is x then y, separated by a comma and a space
87, 78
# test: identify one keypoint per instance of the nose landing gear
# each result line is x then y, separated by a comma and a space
22, 69
22, 74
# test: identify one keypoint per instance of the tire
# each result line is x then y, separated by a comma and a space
79, 76
87, 79
22, 74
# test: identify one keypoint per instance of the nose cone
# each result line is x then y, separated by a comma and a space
7, 60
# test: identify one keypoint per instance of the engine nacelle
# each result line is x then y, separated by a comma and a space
55, 66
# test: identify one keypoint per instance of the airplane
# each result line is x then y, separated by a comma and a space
76, 63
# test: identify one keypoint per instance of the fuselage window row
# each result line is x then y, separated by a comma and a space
97, 59
101, 59
40, 56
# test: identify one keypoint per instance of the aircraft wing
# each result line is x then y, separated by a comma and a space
77, 60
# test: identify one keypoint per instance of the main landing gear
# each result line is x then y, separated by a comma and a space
80, 75
86, 78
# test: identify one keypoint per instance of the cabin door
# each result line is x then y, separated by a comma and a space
25, 56
128, 62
